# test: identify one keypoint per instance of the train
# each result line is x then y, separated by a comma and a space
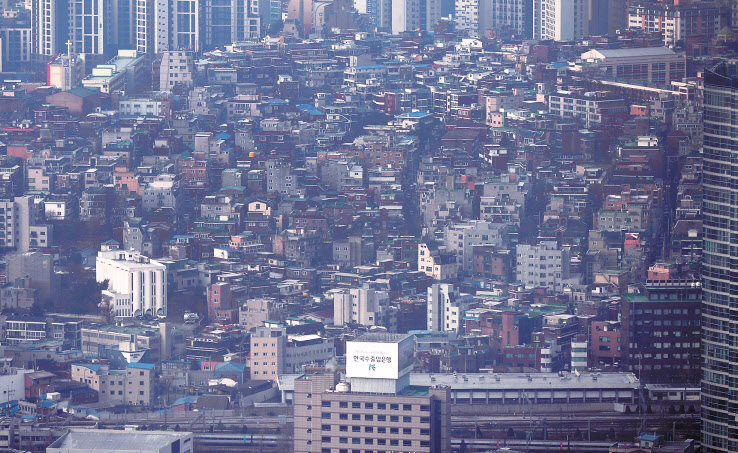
264, 440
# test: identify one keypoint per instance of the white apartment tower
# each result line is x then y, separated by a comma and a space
49, 28
137, 285
446, 307
151, 33
17, 227
363, 306
413, 15
478, 16
163, 25
560, 20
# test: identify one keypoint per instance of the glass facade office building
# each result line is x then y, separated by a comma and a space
720, 261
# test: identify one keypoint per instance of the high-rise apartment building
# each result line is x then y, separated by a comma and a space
184, 29
413, 15
478, 16
364, 306
18, 228
380, 12
49, 28
151, 32
560, 20
162, 25
446, 307
93, 29
719, 269
676, 22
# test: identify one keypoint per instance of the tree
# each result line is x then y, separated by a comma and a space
462, 446
611, 433
176, 427
649, 410
627, 410
510, 432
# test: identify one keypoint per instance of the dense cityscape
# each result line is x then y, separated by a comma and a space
370, 226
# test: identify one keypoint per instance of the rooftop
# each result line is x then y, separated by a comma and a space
382, 337
99, 440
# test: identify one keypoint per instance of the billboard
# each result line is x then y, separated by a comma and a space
372, 360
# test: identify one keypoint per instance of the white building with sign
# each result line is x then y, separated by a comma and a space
380, 362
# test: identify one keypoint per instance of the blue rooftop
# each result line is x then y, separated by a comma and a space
413, 115
370, 66
230, 367
142, 366
310, 109
186, 400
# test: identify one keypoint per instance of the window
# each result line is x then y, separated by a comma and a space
368, 417
343, 428
381, 418
369, 406
325, 427
326, 404
395, 407
343, 416
343, 404
407, 419
355, 416
407, 443
356, 405
407, 407
325, 415
325, 439
394, 430
381, 406
394, 419
394, 442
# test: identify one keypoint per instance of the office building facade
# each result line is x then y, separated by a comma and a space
378, 410
719, 270
137, 285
